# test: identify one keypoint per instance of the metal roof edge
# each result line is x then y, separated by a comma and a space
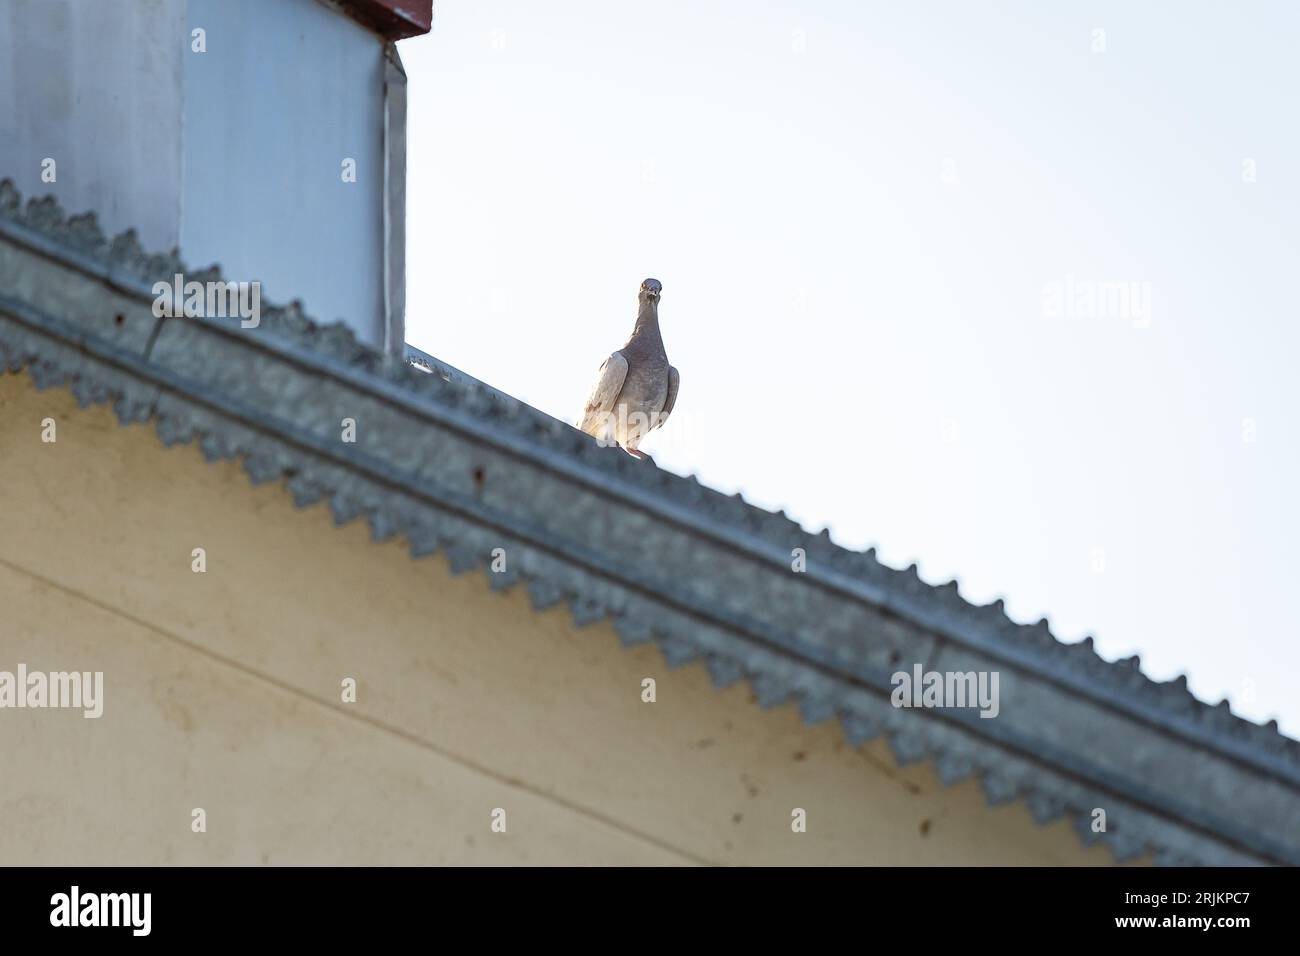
486, 416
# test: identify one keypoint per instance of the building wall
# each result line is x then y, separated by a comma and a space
223, 692
234, 154
286, 91
97, 88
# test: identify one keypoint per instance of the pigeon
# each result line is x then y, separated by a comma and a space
636, 388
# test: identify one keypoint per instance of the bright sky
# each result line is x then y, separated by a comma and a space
880, 228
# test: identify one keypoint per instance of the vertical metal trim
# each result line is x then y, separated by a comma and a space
394, 203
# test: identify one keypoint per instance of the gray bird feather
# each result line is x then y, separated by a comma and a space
673, 381
600, 403
636, 388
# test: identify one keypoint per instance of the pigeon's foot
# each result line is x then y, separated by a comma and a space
634, 453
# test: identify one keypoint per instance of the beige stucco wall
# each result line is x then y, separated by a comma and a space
222, 691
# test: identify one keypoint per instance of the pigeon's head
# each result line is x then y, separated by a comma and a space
651, 288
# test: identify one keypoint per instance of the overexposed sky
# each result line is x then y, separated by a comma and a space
882, 230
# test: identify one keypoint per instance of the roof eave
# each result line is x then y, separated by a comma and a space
1077, 733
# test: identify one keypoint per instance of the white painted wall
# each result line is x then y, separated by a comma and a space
234, 154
